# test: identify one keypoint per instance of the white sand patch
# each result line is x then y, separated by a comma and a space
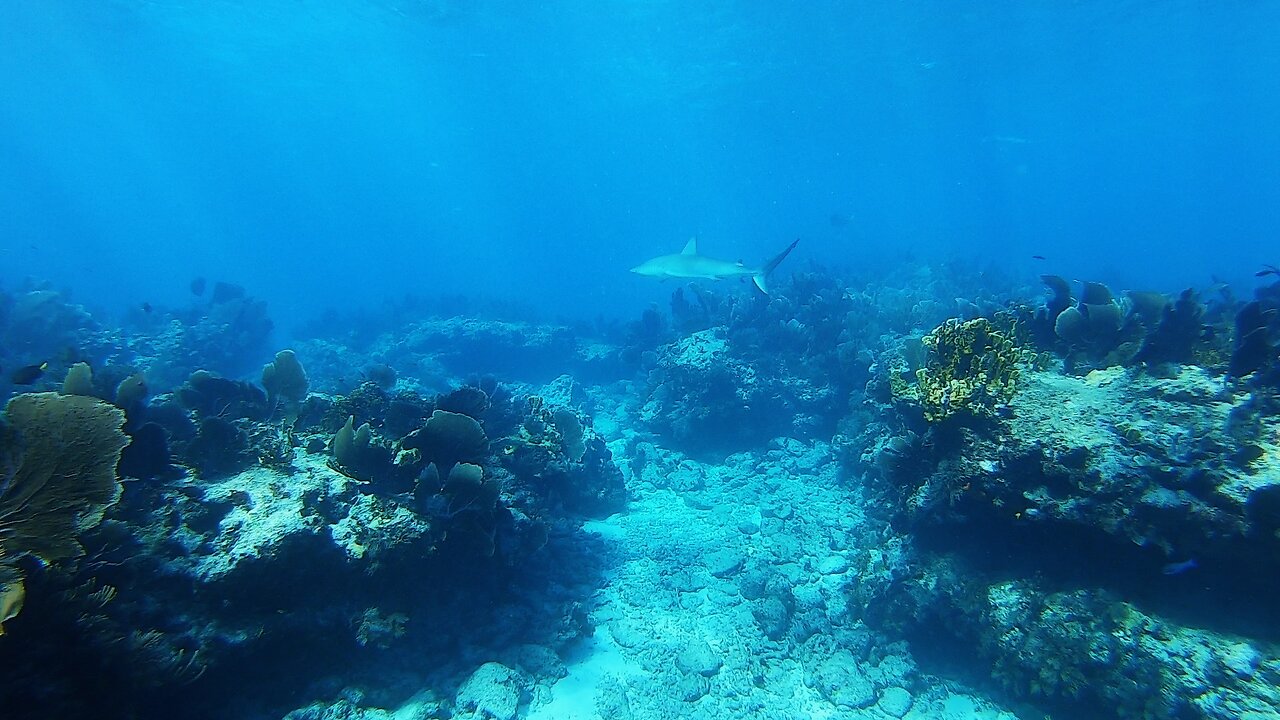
573, 697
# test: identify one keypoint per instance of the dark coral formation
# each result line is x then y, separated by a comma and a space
1140, 329
285, 381
1132, 495
557, 452
747, 370
235, 543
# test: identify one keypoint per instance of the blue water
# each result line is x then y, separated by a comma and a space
336, 153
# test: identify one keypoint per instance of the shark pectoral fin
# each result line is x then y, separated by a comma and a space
691, 247
760, 283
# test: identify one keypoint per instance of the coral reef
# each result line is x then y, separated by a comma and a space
440, 353
1099, 330
1104, 507
910, 496
708, 393
556, 451
746, 370
1256, 344
1086, 648
1113, 453
225, 555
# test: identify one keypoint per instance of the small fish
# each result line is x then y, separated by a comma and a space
1267, 270
29, 374
1037, 257
197, 286
146, 307
1177, 568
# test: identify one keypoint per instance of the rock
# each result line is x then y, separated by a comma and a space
540, 661
786, 548
1241, 659
698, 658
772, 616
894, 669
895, 702
723, 563
811, 460
692, 688
341, 710
626, 633
564, 391
782, 511
751, 584
492, 691
841, 681
698, 502
959, 707
833, 565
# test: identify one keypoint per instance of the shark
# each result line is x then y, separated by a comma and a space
688, 265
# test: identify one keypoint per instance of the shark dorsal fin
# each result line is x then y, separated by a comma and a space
691, 247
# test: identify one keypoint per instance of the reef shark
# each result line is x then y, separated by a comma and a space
690, 265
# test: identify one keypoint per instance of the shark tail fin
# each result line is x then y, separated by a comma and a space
759, 278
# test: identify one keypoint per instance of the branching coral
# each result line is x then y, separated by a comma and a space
971, 369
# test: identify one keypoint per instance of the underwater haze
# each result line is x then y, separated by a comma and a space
638, 360
334, 153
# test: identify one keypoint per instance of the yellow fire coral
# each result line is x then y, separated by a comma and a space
971, 368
